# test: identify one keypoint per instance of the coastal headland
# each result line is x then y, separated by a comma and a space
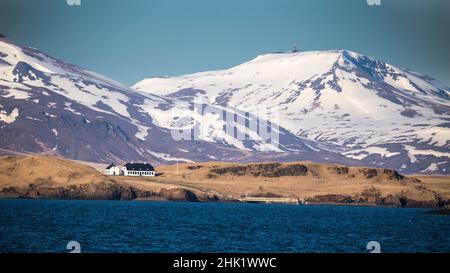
42, 176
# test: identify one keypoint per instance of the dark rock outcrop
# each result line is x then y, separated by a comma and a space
370, 195
369, 172
31, 192
389, 200
341, 170
393, 174
111, 191
331, 198
195, 167
178, 194
10, 192
103, 191
263, 169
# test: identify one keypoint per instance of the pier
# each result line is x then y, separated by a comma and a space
272, 200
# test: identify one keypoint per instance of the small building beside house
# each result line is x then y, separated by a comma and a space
138, 169
113, 169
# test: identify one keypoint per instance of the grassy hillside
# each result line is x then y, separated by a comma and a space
19, 171
39, 176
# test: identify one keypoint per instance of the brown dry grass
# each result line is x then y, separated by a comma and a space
321, 179
20, 171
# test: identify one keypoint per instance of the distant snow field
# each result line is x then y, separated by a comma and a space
328, 106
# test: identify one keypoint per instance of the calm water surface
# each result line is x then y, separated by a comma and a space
123, 226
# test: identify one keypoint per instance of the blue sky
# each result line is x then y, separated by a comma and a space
129, 40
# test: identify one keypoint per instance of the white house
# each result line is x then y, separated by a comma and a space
138, 169
113, 169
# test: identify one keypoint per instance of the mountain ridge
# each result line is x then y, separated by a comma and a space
50, 106
336, 87
63, 109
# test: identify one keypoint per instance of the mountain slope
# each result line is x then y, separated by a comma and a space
346, 102
49, 106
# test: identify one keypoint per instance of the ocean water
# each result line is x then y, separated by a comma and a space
124, 226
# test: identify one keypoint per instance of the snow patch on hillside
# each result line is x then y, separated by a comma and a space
168, 157
362, 153
9, 118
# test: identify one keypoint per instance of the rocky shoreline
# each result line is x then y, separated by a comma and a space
115, 191
104, 191
48, 177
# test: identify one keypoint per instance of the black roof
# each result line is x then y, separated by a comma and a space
139, 167
110, 166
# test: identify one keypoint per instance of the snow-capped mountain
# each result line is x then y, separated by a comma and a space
50, 106
343, 101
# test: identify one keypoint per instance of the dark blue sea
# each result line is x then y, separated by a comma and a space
124, 226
